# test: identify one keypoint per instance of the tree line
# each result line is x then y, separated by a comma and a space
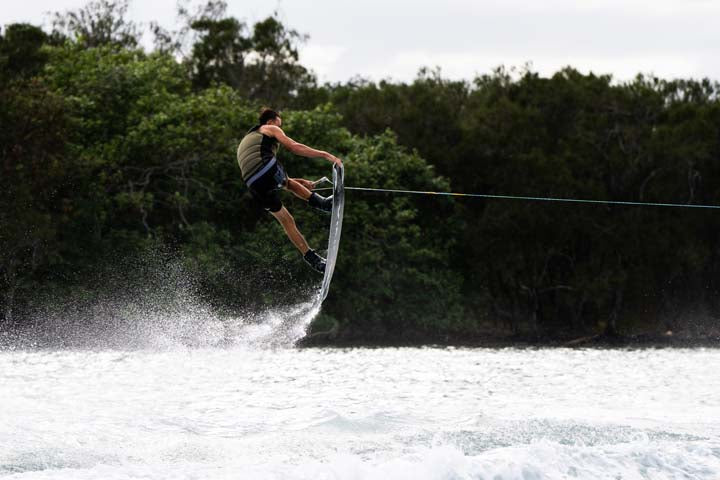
108, 151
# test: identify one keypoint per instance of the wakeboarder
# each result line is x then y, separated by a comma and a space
265, 177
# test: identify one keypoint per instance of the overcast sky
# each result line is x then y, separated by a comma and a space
393, 38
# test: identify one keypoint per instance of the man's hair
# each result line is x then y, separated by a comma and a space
267, 114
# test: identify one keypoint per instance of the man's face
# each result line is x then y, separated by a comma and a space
277, 121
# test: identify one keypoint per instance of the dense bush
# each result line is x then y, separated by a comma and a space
108, 152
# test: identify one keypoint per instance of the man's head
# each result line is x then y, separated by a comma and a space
270, 117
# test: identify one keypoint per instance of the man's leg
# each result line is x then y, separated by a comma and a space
301, 189
298, 189
288, 223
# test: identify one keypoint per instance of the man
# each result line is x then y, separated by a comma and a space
265, 176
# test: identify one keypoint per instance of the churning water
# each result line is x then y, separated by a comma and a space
253, 413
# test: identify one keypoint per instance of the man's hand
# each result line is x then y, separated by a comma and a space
334, 160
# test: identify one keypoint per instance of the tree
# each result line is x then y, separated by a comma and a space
218, 56
108, 152
100, 22
32, 180
263, 66
21, 54
275, 75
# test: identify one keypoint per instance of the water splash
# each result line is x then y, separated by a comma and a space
163, 311
276, 328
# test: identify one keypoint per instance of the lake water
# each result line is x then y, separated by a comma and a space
283, 413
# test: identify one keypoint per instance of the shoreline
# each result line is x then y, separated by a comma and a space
600, 341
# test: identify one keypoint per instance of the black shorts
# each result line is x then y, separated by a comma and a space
265, 188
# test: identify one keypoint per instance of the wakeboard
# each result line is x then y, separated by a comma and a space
336, 219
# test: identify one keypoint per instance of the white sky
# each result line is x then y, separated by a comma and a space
392, 39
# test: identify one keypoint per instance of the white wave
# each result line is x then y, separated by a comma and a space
257, 413
537, 461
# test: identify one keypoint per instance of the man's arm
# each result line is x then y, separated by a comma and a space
296, 147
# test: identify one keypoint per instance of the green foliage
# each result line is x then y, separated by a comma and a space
396, 248
21, 53
109, 152
276, 75
219, 55
32, 208
260, 62
99, 23
548, 269
426, 114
